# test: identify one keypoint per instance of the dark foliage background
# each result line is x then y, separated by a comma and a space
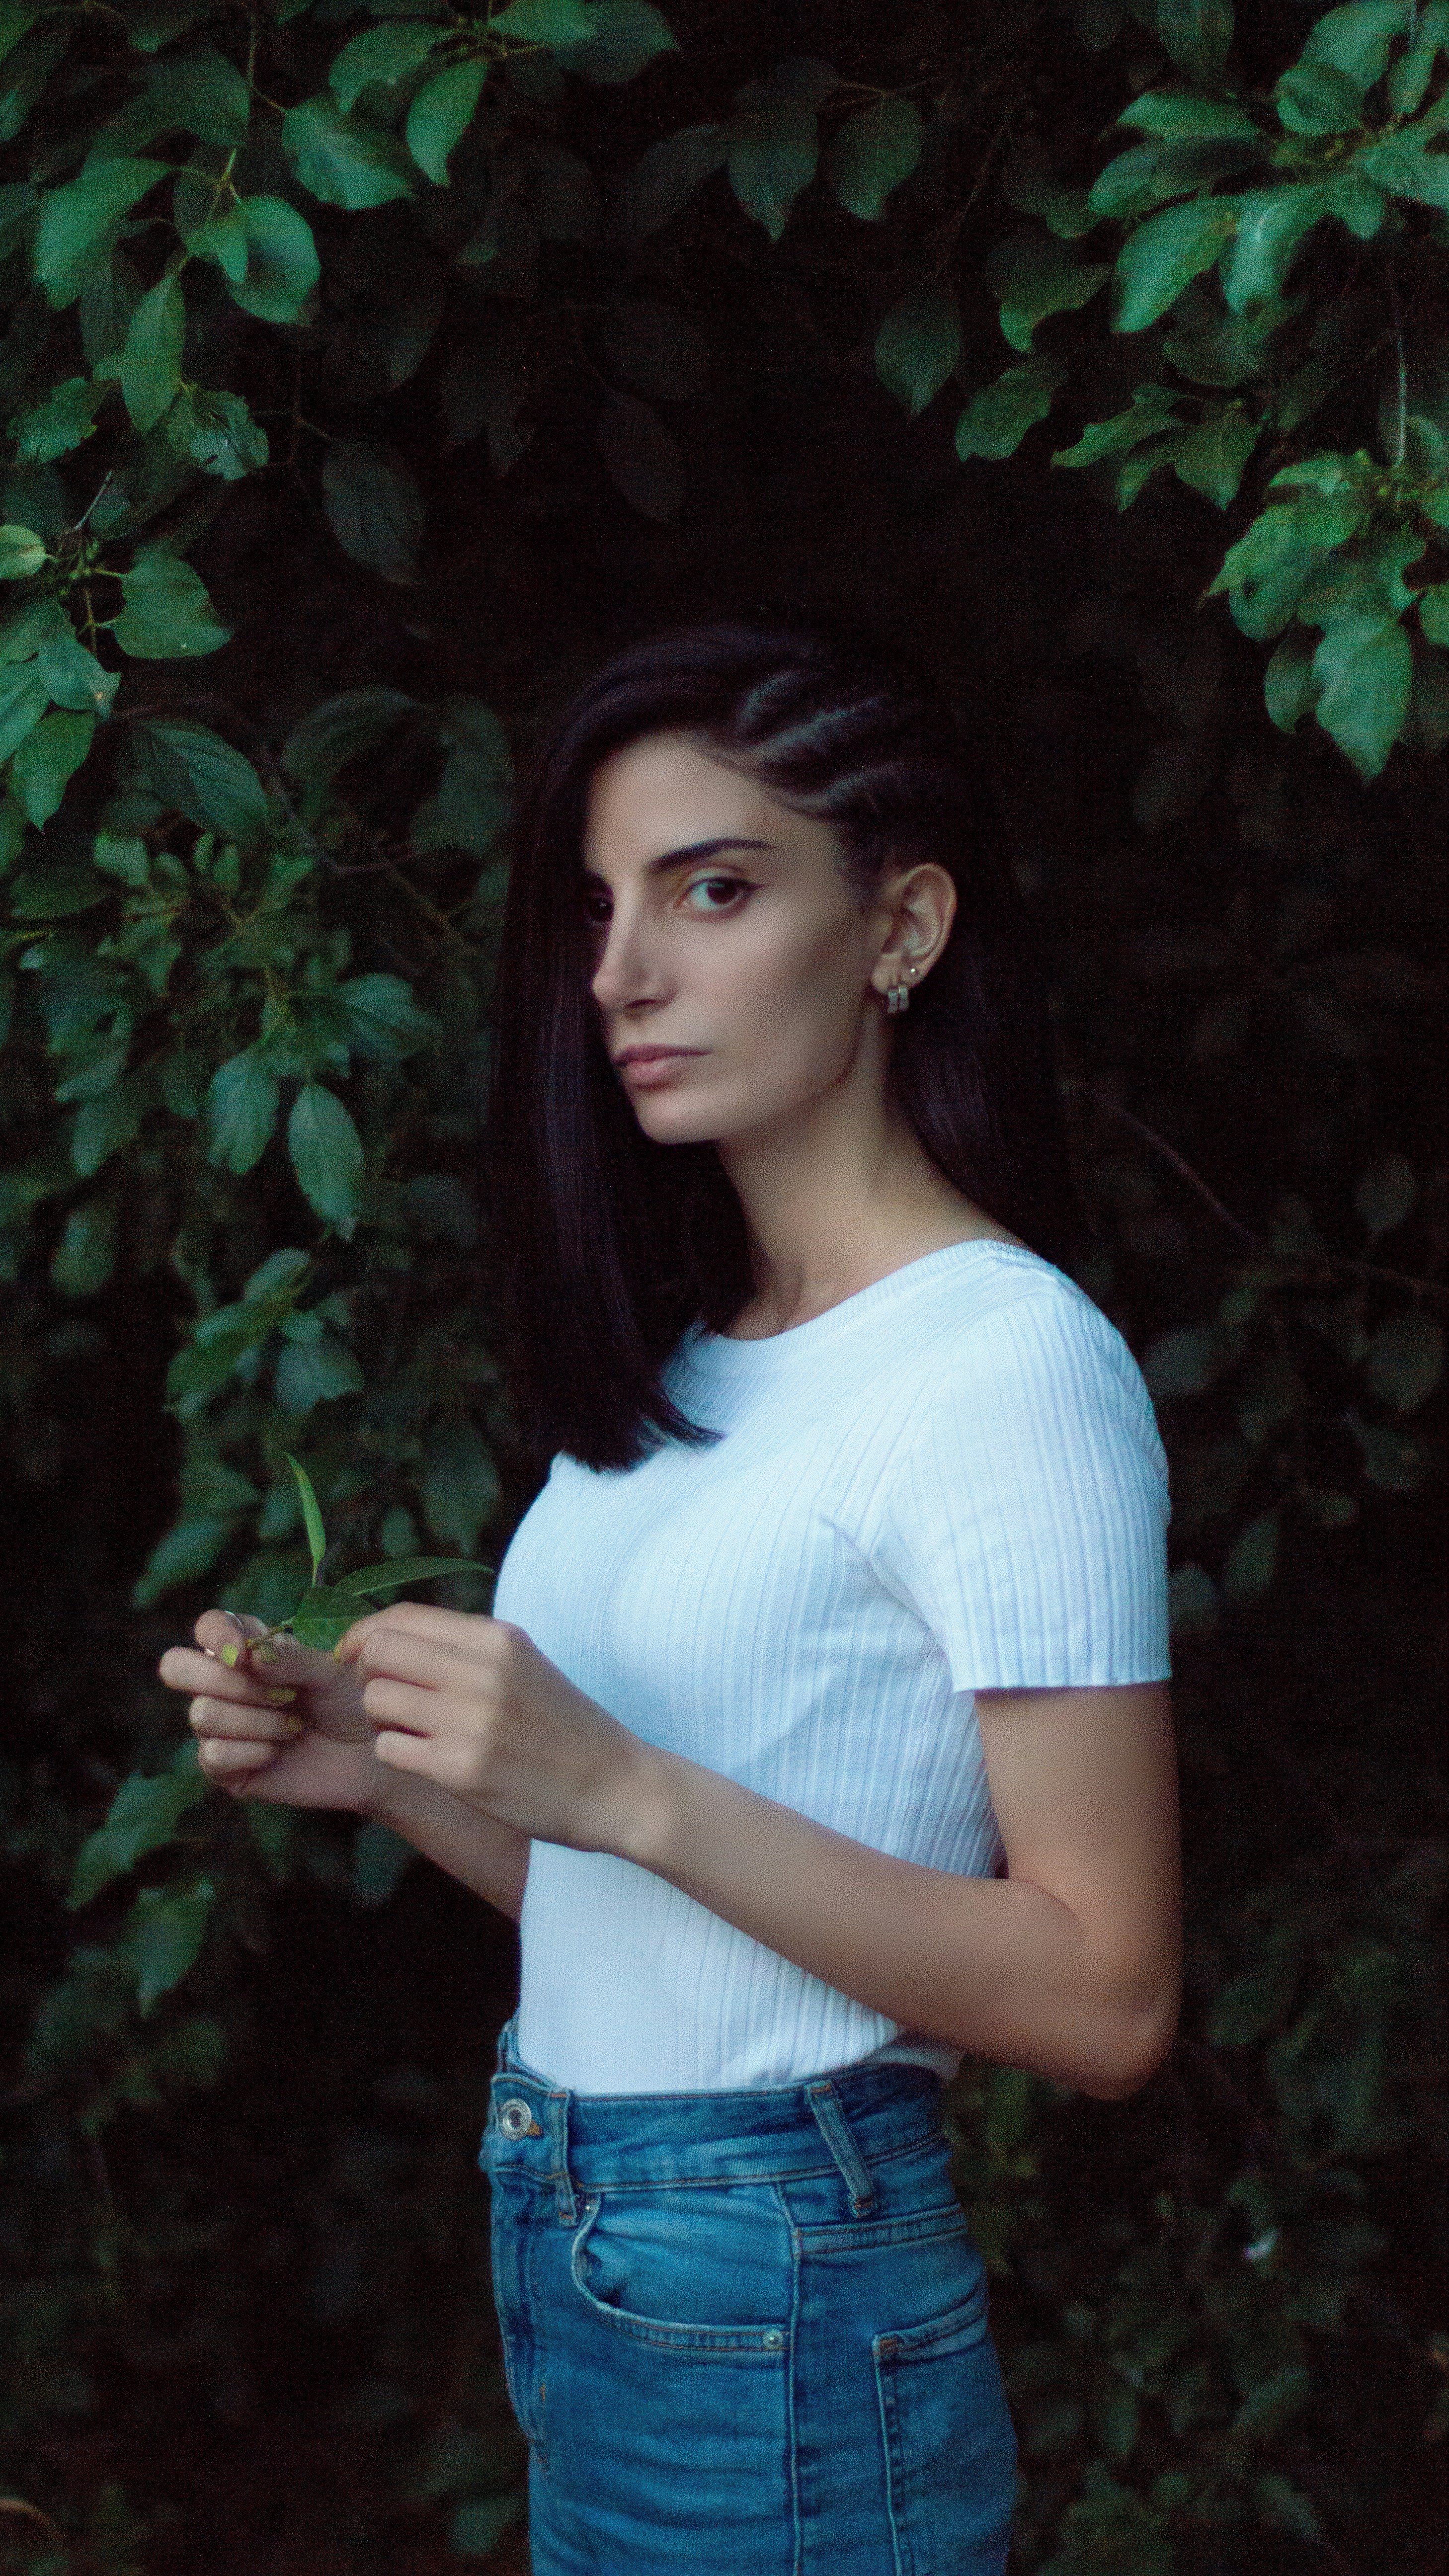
526, 364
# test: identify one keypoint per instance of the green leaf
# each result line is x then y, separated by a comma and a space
79, 221
402, 1570
1152, 409
312, 1373
1185, 112
162, 1937
1365, 668
85, 1256
55, 893
375, 508
188, 766
460, 1483
384, 1022
1317, 98
23, 702
919, 343
241, 1112
1400, 167
1162, 257
71, 675
312, 1520
1406, 1360
341, 159
1211, 458
544, 22
151, 358
47, 760
873, 153
1252, 1559
58, 424
168, 612
22, 554
1273, 224
337, 729
472, 800
282, 266
1267, 570
1386, 1193
142, 1816
441, 114
772, 156
1197, 34
1391, 1460
1032, 276
1192, 1602
666, 178
624, 35
379, 1858
217, 432
1185, 1361
641, 456
1355, 40
327, 1156
322, 1618
386, 54
1290, 684
997, 418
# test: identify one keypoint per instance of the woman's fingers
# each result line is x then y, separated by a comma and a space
189, 1669
224, 1759
432, 1662
242, 1722
459, 1632
390, 1702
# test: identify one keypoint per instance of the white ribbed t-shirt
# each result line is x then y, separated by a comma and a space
949, 1482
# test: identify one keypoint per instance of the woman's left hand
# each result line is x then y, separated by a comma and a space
471, 1703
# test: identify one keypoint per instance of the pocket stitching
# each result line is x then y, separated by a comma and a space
769, 2343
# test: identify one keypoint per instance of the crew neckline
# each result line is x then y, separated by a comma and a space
742, 1352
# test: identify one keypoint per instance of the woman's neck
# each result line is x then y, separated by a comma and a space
833, 1203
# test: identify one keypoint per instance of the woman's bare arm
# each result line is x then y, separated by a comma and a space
1069, 1965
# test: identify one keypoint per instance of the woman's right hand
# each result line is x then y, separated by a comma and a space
284, 1723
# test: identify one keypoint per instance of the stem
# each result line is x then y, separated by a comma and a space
1309, 1265
1401, 419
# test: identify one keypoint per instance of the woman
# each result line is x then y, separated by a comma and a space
820, 1735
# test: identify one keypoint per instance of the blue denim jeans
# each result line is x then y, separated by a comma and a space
745, 2333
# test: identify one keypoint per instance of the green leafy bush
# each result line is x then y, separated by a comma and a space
368, 371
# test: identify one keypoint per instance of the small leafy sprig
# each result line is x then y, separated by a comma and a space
327, 1610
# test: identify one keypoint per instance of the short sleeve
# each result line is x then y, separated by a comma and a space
1025, 1520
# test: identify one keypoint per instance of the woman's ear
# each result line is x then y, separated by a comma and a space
920, 906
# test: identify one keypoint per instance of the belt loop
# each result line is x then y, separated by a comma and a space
829, 2111
557, 2107
504, 2049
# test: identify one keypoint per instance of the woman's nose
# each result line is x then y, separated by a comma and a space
626, 972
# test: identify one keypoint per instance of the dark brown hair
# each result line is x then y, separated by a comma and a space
607, 1245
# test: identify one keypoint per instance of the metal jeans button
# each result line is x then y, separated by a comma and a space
516, 2120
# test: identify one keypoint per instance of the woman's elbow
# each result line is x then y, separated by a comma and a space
1131, 2045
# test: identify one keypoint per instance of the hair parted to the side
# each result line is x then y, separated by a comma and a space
605, 1245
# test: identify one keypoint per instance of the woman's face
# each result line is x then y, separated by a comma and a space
731, 959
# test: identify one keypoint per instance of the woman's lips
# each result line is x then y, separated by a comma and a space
649, 1067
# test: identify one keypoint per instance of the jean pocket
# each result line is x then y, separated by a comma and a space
950, 2452
688, 2270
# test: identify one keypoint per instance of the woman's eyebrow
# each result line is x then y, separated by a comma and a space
685, 857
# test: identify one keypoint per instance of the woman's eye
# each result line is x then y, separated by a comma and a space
718, 892
597, 909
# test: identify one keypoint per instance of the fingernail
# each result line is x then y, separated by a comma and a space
230, 1655
295, 1725
265, 1654
279, 1698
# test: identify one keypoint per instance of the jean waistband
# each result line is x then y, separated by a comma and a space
582, 2142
